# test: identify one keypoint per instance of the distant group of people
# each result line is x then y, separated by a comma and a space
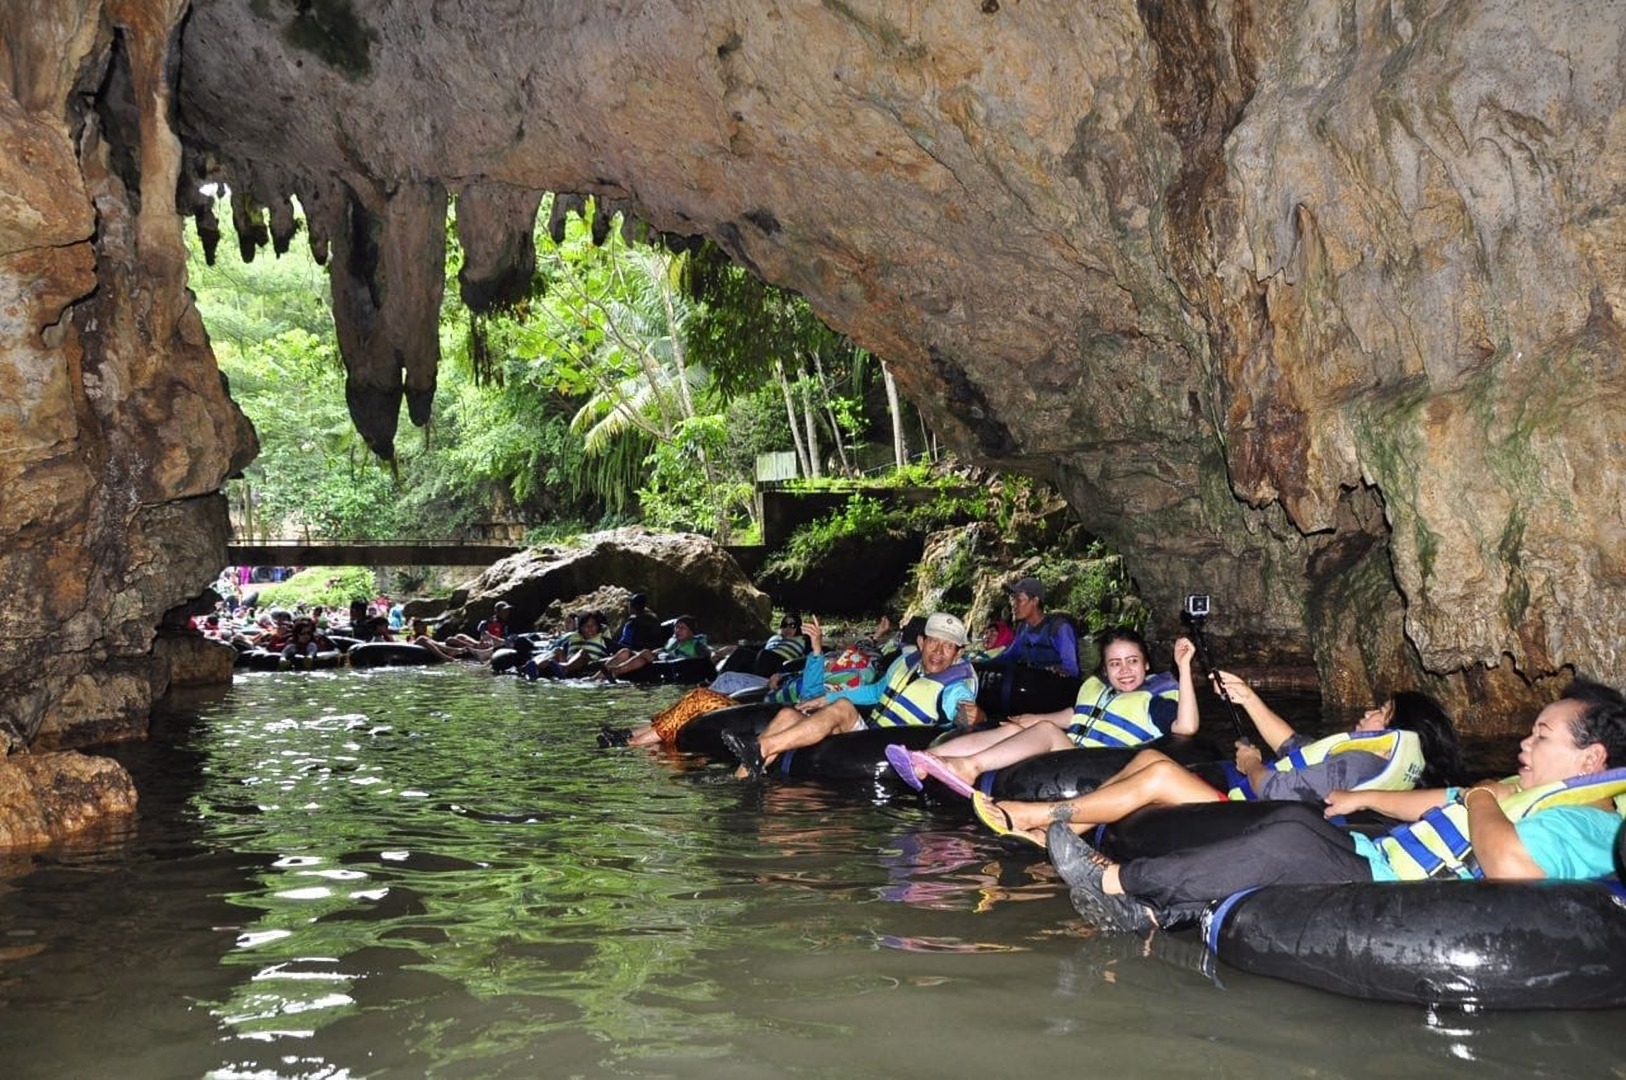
300, 631
1401, 759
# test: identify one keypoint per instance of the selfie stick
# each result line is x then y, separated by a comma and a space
1196, 623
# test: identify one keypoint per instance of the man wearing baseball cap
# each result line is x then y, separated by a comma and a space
923, 689
1041, 641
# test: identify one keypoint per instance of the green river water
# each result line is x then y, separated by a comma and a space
437, 873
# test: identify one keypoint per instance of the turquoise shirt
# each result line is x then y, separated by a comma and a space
870, 693
1567, 842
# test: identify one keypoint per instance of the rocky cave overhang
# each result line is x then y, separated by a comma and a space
1312, 306
1308, 305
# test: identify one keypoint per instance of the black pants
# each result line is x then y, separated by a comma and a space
1292, 845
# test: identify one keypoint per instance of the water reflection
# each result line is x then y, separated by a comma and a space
411, 873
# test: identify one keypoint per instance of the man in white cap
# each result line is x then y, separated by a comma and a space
925, 688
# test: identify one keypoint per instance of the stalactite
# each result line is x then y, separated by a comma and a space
249, 220
208, 230
563, 204
283, 223
414, 284
372, 388
388, 276
496, 226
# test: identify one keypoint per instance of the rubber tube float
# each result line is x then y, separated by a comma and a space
853, 755
371, 654
1485, 944
1067, 774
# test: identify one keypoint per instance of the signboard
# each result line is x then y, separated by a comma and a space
776, 467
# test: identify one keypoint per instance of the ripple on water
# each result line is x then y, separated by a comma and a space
405, 873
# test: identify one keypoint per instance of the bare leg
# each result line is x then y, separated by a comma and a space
975, 742
1023, 744
968, 744
632, 663
1157, 782
579, 660
792, 730
445, 652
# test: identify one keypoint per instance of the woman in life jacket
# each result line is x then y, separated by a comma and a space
1123, 704
1406, 741
686, 643
1557, 819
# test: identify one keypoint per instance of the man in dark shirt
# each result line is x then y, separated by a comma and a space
1041, 641
642, 630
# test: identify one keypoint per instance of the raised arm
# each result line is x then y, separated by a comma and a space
1185, 718
815, 635
1271, 727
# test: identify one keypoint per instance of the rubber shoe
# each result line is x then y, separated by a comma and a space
747, 750
1083, 867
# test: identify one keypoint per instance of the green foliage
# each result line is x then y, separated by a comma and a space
948, 507
862, 518
330, 586
595, 397
743, 324
680, 496
755, 424
916, 474
1096, 589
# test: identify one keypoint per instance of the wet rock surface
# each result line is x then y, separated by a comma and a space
115, 427
1309, 306
678, 574
46, 797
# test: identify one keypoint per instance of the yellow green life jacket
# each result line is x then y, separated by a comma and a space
596, 647
912, 698
1438, 845
1103, 716
1401, 750
695, 646
789, 648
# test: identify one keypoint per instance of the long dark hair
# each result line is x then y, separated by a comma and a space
1442, 757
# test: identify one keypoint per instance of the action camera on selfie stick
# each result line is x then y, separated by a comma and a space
1195, 616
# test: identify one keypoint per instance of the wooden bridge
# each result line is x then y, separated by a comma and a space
316, 552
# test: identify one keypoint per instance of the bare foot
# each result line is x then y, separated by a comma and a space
1036, 816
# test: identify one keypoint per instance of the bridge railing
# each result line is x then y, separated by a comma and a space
313, 552
238, 540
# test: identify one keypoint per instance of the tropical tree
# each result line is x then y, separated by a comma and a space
633, 379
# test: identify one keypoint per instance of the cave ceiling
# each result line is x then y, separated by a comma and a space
1310, 305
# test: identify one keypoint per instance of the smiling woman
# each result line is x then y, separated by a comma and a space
1119, 706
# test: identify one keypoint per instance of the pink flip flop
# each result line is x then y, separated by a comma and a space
939, 772
897, 756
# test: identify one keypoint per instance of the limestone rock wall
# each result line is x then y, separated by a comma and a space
115, 427
1309, 305
1312, 305
678, 573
